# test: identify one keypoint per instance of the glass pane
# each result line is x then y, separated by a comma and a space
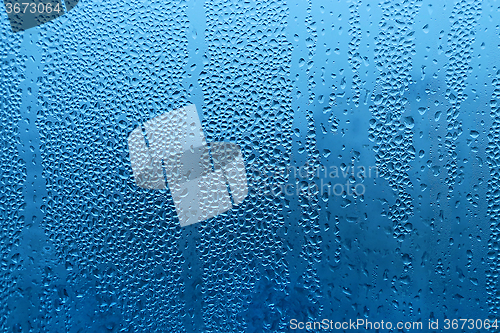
249, 166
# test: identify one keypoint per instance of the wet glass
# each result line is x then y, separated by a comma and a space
341, 166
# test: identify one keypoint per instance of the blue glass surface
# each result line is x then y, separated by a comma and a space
370, 133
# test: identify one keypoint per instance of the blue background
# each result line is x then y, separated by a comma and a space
411, 87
